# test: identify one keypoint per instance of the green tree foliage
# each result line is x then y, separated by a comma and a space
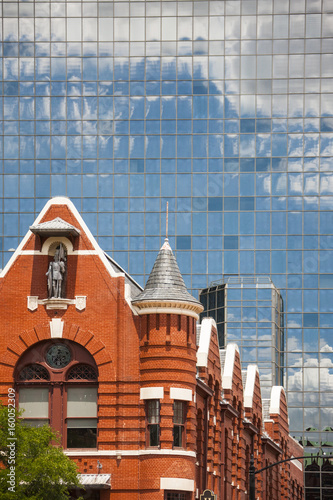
32, 464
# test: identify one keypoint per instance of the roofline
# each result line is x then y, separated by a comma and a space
123, 271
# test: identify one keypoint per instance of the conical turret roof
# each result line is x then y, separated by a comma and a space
165, 282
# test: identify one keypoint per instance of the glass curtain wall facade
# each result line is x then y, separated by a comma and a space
249, 312
222, 108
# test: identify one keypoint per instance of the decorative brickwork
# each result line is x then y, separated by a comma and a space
140, 354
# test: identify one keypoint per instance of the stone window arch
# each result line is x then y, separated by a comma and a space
57, 384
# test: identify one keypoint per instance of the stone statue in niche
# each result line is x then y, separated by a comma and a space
56, 273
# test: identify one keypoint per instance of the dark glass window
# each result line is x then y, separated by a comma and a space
179, 412
153, 421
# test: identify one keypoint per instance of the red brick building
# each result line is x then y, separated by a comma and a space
146, 404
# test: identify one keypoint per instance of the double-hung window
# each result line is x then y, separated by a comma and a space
153, 422
179, 416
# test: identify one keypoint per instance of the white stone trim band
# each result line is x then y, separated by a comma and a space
180, 394
176, 483
151, 393
129, 453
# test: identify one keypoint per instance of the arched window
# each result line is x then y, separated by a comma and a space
57, 382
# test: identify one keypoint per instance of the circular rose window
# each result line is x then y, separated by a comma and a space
58, 356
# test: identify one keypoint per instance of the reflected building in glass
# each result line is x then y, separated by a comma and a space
222, 108
249, 312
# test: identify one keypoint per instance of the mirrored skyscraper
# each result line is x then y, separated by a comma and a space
248, 311
222, 108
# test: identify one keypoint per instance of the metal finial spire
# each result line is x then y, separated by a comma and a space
167, 220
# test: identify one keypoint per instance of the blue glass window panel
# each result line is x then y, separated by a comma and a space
246, 261
231, 223
168, 185
279, 164
27, 147
137, 146
104, 88
247, 125
74, 147
310, 320
231, 145
26, 88
215, 185
278, 261
74, 186
199, 185
231, 203
121, 127
105, 69
294, 301
247, 203
230, 263
199, 126
74, 71
10, 88
153, 68
200, 107
311, 222
184, 107
184, 262
262, 262
279, 144
137, 68
153, 108
89, 69
168, 127
89, 146
295, 223
152, 223
137, 186
199, 223
89, 185
246, 185
215, 262
58, 185
42, 108
246, 223
105, 185
153, 88
58, 166
326, 265
10, 229
58, 147
121, 108
183, 204
199, 260
231, 187
215, 145
214, 223
215, 204
263, 146
294, 261
58, 108
11, 186
26, 167
105, 108
152, 183
184, 127
152, 144
89, 108
184, 223
184, 66
137, 223
279, 184
137, 127
168, 143
58, 68
120, 145
278, 222
11, 147
231, 107
311, 145
216, 109
200, 144
10, 108
184, 147
169, 68
137, 108
183, 185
